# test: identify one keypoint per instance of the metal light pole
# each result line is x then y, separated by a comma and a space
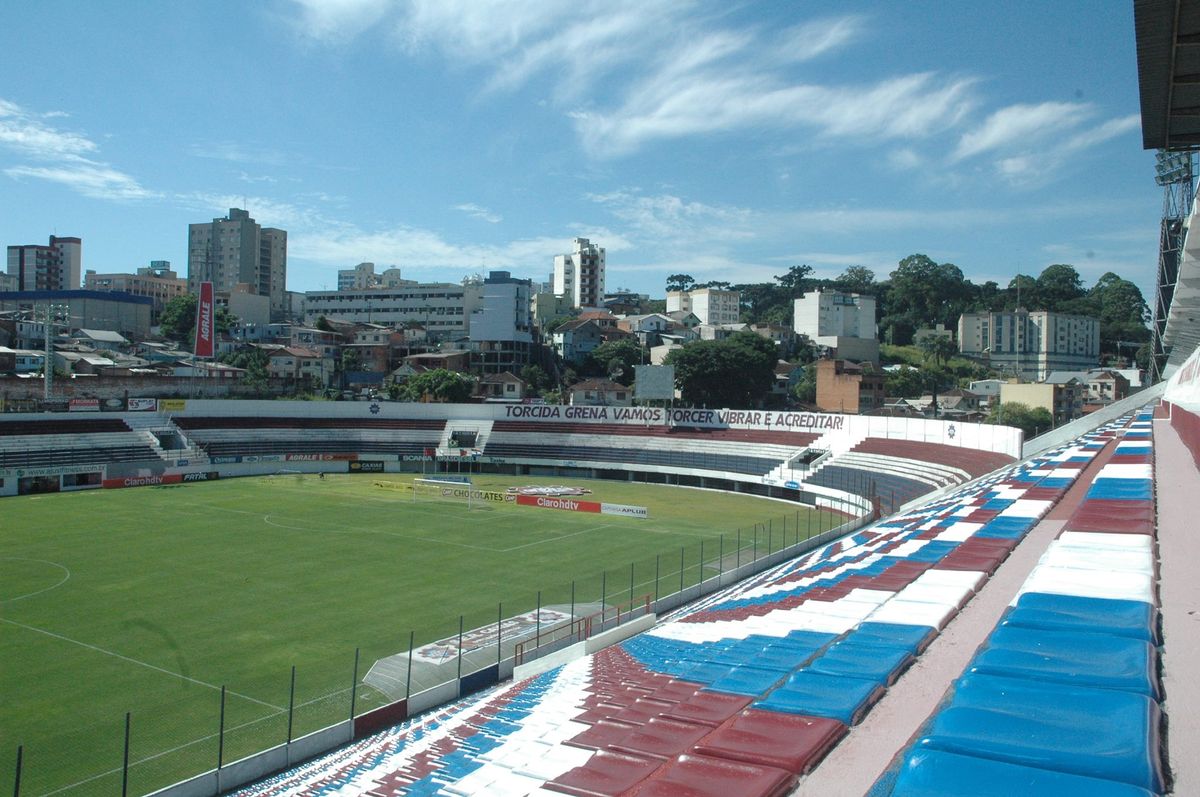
49, 314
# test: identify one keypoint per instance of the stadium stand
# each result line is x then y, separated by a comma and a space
1064, 696
899, 471
50, 442
745, 691
246, 436
744, 451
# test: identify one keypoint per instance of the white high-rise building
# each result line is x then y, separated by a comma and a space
580, 274
710, 305
1031, 344
502, 326
443, 309
236, 250
841, 321
363, 277
55, 267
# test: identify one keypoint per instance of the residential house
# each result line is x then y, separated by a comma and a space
500, 387
602, 392
297, 364
455, 360
719, 331
575, 340
787, 376
326, 343
782, 335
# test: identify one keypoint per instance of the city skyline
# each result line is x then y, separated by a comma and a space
449, 139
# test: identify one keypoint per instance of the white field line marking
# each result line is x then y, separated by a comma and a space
350, 530
154, 667
191, 743
64, 568
354, 530
555, 539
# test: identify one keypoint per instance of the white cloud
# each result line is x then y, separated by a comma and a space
94, 180
479, 212
22, 132
338, 20
668, 220
631, 73
1031, 144
237, 152
62, 157
1019, 125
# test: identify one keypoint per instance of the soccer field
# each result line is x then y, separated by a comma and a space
149, 601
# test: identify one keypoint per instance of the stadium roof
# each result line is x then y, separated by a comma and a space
1168, 59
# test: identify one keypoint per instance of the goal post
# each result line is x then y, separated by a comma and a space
458, 492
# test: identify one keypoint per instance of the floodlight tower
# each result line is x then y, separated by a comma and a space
49, 314
1174, 171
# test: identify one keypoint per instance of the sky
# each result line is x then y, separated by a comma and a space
723, 140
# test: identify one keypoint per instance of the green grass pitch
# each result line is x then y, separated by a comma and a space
149, 600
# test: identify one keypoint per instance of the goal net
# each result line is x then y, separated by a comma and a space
446, 491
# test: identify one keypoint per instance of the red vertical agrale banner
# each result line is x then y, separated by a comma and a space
206, 321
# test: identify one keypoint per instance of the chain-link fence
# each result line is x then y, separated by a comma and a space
201, 727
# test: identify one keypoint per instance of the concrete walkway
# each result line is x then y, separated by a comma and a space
1178, 486
858, 761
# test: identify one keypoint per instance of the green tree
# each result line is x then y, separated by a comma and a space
680, 282
764, 302
857, 279
805, 390
323, 324
1030, 420
905, 383
922, 293
1022, 292
938, 348
256, 362
616, 359
438, 385
795, 281
536, 379
1057, 285
736, 372
178, 319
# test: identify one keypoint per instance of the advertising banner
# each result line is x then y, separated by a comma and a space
566, 504
204, 476
143, 481
143, 404
624, 509
206, 321
83, 405
172, 405
318, 457
366, 466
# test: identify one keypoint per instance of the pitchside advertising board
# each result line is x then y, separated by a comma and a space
154, 480
572, 505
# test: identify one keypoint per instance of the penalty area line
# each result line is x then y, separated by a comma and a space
138, 662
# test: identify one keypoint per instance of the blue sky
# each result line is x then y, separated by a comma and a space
727, 141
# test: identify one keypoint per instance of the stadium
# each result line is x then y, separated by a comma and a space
722, 577
267, 598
